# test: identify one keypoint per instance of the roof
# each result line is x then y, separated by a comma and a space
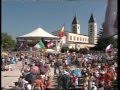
39, 32
78, 34
75, 21
91, 19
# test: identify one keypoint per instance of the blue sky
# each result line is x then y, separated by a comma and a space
20, 17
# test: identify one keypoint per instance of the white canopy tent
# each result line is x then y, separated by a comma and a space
38, 33
33, 37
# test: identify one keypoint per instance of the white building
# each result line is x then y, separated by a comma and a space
75, 39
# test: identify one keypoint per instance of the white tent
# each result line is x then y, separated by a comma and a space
38, 33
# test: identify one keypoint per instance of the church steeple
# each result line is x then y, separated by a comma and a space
75, 21
92, 30
91, 20
75, 26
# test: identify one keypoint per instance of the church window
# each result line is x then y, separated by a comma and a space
91, 26
77, 38
73, 27
74, 38
80, 38
70, 37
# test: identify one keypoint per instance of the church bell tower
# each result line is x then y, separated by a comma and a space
92, 30
75, 26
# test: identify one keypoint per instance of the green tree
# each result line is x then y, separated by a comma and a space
102, 43
7, 41
64, 49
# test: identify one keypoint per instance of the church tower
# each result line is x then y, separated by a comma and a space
92, 30
75, 26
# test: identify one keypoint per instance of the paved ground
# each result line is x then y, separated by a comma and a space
9, 77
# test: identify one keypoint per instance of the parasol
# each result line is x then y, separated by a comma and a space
30, 77
35, 70
76, 72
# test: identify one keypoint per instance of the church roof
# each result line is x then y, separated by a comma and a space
75, 21
91, 19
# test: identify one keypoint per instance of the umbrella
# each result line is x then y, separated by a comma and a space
76, 72
34, 70
30, 77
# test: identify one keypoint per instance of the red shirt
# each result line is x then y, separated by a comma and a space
73, 79
38, 82
48, 84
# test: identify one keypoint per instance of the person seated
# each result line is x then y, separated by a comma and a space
16, 87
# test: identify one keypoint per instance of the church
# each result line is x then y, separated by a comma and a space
75, 39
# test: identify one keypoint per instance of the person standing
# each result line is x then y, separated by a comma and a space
65, 80
38, 83
22, 82
48, 83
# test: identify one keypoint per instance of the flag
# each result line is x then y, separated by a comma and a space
50, 44
40, 44
20, 45
62, 31
109, 48
110, 24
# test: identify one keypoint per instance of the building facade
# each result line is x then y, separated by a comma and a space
75, 39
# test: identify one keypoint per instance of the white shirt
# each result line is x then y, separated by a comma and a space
94, 87
29, 87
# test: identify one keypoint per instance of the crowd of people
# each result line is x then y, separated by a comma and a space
90, 71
